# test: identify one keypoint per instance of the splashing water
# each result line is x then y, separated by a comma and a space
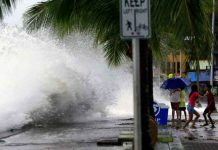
46, 81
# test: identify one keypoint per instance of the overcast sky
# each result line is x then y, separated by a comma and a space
16, 17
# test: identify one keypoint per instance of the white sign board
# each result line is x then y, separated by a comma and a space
135, 22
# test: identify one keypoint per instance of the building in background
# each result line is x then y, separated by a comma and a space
176, 64
180, 66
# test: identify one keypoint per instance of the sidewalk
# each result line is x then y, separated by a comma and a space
202, 138
168, 138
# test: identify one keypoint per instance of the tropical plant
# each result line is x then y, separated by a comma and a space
97, 17
101, 17
5, 7
177, 19
181, 18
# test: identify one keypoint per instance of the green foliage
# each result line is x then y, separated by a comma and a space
172, 22
98, 17
183, 24
5, 7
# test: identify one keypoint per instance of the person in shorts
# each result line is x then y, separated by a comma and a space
175, 101
182, 106
193, 99
210, 106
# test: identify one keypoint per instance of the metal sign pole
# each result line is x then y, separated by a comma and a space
212, 49
137, 96
135, 25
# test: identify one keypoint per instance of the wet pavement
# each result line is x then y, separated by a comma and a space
86, 135
201, 138
77, 136
200, 146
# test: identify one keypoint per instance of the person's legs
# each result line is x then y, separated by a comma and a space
177, 114
176, 107
178, 119
189, 120
196, 118
180, 114
177, 111
173, 111
183, 109
211, 121
205, 117
173, 114
173, 117
185, 115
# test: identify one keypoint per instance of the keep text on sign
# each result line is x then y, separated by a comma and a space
135, 19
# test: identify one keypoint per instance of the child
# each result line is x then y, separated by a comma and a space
182, 106
193, 98
210, 106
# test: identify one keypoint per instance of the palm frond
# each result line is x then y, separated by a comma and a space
180, 18
115, 51
6, 6
68, 16
40, 15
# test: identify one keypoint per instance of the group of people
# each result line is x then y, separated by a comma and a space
178, 105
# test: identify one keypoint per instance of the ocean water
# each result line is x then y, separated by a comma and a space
45, 80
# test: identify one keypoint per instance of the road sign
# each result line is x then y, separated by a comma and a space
135, 22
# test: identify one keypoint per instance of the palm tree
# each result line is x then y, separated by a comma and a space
100, 18
5, 7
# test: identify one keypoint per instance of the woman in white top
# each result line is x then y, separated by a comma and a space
175, 101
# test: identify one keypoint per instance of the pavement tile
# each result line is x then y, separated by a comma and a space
202, 138
200, 146
162, 146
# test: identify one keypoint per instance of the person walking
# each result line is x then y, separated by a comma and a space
193, 99
210, 106
182, 106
